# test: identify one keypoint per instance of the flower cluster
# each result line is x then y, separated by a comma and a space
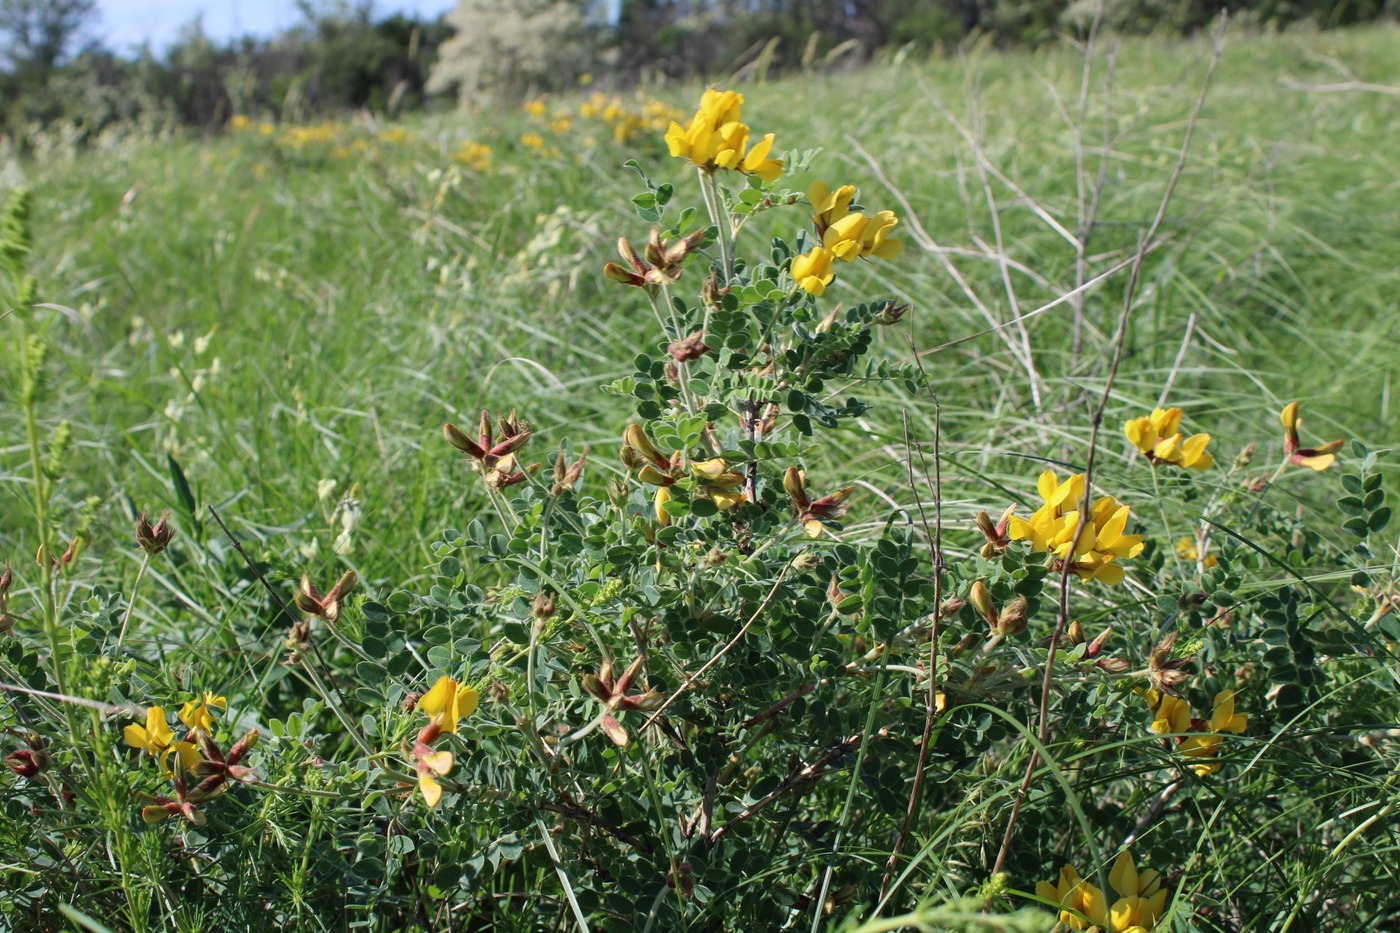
710, 479
1197, 739
492, 454
196, 764
1053, 527
1159, 438
1141, 899
717, 138
845, 235
444, 704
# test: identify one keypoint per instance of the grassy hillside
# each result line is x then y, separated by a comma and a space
277, 322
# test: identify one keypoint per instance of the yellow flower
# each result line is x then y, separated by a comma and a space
812, 270
447, 702
535, 108
532, 141
1141, 896
1082, 905
829, 206
716, 138
154, 737
1052, 529
1159, 439
858, 236
238, 123
1223, 719
473, 155
716, 482
1186, 550
1169, 714
431, 765
195, 714
663, 495
1316, 459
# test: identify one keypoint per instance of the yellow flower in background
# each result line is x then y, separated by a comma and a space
812, 270
535, 108
195, 714
238, 123
473, 155
1186, 550
1053, 526
447, 702
1316, 459
154, 737
1158, 437
532, 140
717, 138
1082, 905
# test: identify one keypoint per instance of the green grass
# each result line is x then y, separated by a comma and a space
269, 319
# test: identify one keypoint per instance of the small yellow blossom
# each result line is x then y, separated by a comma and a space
1052, 529
1158, 437
1316, 459
1169, 714
195, 714
536, 107
1223, 719
1141, 900
474, 155
716, 482
238, 123
1186, 550
812, 270
1082, 905
532, 140
154, 737
447, 702
431, 765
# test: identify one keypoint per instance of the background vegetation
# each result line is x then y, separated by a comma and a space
276, 322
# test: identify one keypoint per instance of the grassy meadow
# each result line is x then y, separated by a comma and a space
277, 322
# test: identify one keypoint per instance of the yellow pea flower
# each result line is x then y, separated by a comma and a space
663, 495
1169, 714
447, 702
1316, 459
829, 206
1186, 550
718, 483
154, 737
1223, 719
195, 713
1159, 438
1053, 526
431, 765
1142, 898
1082, 905
716, 138
812, 270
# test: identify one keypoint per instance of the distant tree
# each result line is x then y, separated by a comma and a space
37, 34
509, 46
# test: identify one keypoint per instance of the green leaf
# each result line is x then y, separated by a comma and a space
1379, 519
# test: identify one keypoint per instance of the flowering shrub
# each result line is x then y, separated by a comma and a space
687, 690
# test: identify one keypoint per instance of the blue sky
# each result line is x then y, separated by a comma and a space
127, 23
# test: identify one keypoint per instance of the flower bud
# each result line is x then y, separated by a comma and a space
463, 443
663, 495
1012, 619
617, 492
981, 599
6, 578
543, 605
891, 313
26, 762
153, 538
